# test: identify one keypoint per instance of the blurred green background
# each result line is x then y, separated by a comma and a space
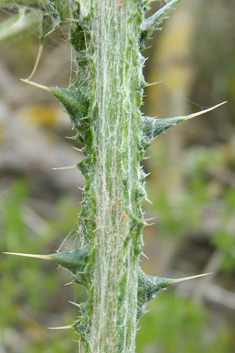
191, 187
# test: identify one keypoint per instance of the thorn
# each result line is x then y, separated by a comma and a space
188, 278
149, 224
77, 149
45, 88
145, 255
148, 201
60, 328
190, 116
71, 138
67, 284
149, 219
76, 304
44, 257
81, 189
149, 47
151, 84
68, 167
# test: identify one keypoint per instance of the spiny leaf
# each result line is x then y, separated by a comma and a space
74, 260
150, 286
71, 100
154, 127
155, 21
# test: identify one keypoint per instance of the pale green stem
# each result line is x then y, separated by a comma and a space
117, 131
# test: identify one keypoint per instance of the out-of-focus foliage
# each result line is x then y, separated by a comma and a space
191, 186
32, 292
183, 328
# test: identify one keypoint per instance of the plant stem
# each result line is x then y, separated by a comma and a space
104, 108
117, 127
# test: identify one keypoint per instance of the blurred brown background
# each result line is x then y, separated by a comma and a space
191, 187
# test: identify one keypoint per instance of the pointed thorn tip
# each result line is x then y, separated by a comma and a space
67, 167
190, 116
45, 88
44, 257
76, 304
77, 149
71, 137
188, 278
60, 328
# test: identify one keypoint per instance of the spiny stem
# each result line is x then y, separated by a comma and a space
104, 108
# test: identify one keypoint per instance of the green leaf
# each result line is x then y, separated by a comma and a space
20, 24
154, 127
154, 22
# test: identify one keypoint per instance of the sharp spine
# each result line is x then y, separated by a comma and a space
44, 257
